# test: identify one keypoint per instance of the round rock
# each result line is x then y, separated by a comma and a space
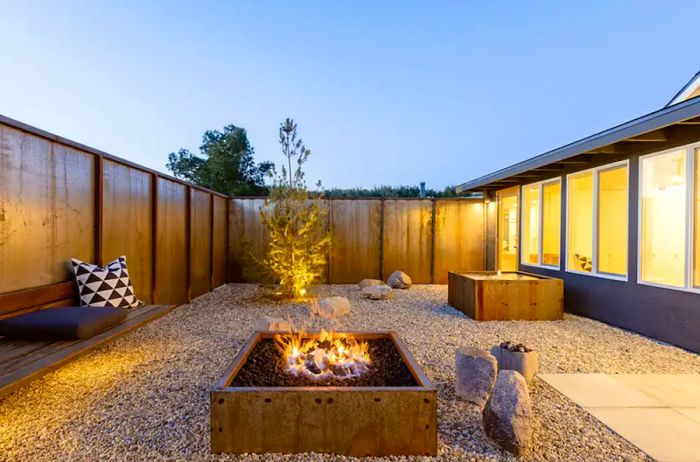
399, 280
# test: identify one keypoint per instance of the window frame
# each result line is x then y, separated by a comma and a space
690, 179
595, 171
540, 221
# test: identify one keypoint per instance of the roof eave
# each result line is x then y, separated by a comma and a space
647, 123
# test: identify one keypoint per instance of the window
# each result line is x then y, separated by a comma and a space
663, 218
597, 221
580, 213
612, 220
541, 222
531, 224
551, 222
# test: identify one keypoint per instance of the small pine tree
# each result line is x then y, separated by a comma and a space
298, 248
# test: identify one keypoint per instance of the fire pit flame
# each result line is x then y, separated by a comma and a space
328, 356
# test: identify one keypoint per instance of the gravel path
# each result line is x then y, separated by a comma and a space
145, 396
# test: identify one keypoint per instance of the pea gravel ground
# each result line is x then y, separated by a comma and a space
145, 396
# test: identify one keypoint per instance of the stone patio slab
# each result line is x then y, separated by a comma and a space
663, 433
598, 390
658, 413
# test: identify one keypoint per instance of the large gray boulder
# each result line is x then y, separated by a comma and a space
381, 292
268, 323
370, 282
333, 307
399, 280
476, 371
508, 412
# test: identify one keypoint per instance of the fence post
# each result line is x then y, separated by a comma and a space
188, 244
154, 237
99, 198
433, 219
381, 239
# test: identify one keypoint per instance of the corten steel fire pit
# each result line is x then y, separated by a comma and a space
349, 417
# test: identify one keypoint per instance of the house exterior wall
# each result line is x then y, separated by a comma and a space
668, 315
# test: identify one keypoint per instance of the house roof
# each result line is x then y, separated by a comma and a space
645, 128
689, 90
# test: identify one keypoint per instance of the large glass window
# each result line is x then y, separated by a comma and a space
663, 219
597, 220
612, 220
580, 222
541, 223
551, 222
696, 224
531, 224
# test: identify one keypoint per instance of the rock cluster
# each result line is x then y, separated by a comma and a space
510, 346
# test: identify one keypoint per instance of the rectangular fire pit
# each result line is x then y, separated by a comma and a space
248, 416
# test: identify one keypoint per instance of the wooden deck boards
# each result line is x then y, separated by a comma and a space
22, 361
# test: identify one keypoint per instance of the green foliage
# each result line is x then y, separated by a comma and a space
299, 242
225, 164
389, 192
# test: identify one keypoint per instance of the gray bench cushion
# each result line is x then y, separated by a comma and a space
67, 323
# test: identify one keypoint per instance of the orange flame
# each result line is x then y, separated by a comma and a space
328, 356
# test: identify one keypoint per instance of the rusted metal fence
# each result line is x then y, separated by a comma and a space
60, 199
371, 238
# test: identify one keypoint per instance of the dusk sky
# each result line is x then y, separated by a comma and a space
385, 92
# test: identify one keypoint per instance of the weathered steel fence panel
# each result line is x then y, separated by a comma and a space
407, 239
356, 240
373, 237
126, 218
61, 199
47, 210
459, 237
200, 242
171, 243
246, 236
219, 240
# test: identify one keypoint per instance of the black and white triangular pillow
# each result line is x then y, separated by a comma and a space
105, 287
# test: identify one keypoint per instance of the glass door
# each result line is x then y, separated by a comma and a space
508, 224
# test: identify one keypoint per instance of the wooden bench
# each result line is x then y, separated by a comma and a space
23, 361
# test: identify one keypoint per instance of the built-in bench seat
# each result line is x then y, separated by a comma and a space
22, 361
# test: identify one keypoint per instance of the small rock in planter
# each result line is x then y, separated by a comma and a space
382, 292
332, 307
518, 358
476, 371
508, 413
268, 323
370, 282
399, 280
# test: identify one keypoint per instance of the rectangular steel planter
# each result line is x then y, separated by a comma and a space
355, 421
514, 296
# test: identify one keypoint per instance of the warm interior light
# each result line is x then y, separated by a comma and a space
663, 249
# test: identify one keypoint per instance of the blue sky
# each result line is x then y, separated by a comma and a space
385, 92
